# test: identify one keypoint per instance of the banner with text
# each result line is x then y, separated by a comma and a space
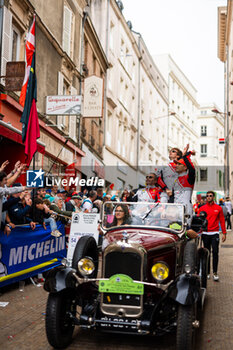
25, 253
63, 105
83, 224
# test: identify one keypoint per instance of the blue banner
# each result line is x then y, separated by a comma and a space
26, 252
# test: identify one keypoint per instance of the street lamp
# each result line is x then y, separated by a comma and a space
164, 116
167, 115
226, 134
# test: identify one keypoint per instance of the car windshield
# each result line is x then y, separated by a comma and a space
165, 215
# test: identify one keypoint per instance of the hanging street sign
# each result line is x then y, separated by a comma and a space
63, 105
93, 97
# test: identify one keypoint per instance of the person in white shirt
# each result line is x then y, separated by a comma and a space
87, 204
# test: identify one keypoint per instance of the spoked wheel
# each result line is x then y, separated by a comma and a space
59, 324
185, 335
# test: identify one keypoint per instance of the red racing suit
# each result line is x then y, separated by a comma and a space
148, 194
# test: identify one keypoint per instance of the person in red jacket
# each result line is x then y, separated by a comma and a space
210, 237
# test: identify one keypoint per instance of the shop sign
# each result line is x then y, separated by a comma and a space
63, 105
15, 72
93, 97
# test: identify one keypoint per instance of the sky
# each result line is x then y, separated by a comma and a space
188, 31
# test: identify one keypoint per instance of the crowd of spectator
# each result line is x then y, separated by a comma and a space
23, 206
20, 205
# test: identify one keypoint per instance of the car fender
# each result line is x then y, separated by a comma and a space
186, 289
59, 278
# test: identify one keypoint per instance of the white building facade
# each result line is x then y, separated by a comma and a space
183, 106
135, 94
210, 151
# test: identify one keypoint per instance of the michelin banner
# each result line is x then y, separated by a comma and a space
25, 253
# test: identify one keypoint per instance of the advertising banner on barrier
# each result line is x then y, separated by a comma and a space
25, 253
83, 224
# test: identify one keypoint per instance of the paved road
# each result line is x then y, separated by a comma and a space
22, 320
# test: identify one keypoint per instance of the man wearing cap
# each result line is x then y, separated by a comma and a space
18, 212
75, 203
5, 191
183, 186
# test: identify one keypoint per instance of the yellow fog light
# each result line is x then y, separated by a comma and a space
160, 271
86, 266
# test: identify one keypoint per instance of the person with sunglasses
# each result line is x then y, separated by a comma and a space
167, 174
151, 193
210, 237
184, 184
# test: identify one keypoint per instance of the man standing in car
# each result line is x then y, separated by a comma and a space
211, 236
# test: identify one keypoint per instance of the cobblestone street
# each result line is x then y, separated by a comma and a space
22, 320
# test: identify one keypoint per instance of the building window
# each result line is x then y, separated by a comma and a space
68, 31
203, 130
15, 44
203, 150
204, 174
203, 112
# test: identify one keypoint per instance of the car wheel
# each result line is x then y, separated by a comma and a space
185, 334
190, 253
86, 246
58, 323
203, 268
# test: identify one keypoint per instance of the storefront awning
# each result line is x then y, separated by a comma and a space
12, 133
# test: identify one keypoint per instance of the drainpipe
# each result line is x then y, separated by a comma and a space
226, 115
85, 14
1, 32
106, 75
139, 105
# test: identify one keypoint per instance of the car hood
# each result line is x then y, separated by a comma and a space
149, 239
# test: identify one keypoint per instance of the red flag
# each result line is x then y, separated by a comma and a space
33, 133
30, 48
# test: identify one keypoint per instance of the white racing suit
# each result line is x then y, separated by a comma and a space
183, 187
167, 176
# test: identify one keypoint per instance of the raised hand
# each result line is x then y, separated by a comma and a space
4, 164
186, 149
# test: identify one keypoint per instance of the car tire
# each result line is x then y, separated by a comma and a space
185, 334
86, 246
58, 323
203, 267
190, 254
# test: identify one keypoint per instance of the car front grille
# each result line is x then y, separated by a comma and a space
127, 261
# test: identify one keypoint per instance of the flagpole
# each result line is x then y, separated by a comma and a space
57, 156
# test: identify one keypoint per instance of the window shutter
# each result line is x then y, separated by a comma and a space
60, 92
73, 120
6, 41
67, 18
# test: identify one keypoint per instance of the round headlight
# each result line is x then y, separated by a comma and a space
160, 271
86, 266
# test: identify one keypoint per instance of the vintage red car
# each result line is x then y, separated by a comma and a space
152, 277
